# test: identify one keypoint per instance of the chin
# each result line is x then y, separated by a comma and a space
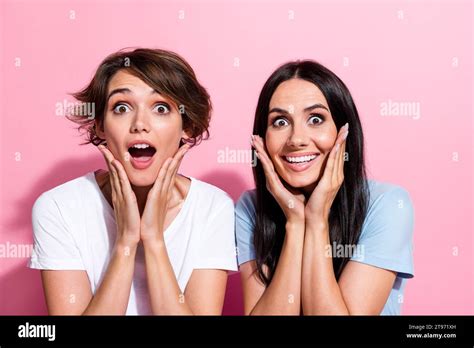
142, 178
141, 181
301, 181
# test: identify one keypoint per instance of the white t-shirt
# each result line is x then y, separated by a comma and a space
74, 229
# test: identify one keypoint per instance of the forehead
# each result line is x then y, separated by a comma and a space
123, 78
297, 92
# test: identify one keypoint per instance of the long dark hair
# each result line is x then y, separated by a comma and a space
350, 205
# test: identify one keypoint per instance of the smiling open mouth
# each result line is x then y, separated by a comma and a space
142, 152
299, 159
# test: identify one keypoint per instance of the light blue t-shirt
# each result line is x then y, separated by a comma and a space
386, 239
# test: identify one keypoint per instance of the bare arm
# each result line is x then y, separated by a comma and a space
204, 293
282, 296
362, 289
69, 292
205, 290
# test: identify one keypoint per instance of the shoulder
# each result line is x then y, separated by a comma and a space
386, 238
209, 195
62, 196
245, 213
246, 205
390, 213
388, 198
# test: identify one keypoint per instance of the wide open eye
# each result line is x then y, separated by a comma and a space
162, 108
280, 122
121, 108
314, 120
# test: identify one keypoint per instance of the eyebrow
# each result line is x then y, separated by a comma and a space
125, 91
309, 108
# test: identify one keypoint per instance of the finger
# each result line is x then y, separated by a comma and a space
123, 179
338, 172
159, 179
262, 153
172, 169
113, 175
341, 134
342, 152
165, 183
178, 164
179, 157
331, 163
275, 186
267, 164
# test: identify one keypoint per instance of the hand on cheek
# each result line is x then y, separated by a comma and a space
153, 218
319, 204
131, 227
292, 207
124, 201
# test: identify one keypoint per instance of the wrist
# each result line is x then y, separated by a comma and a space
295, 221
155, 242
124, 248
317, 224
127, 237
294, 229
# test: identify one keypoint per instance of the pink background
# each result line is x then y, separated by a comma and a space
419, 51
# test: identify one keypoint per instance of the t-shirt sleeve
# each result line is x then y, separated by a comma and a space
217, 247
54, 246
244, 227
386, 239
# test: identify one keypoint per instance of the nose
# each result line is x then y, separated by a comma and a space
299, 137
140, 122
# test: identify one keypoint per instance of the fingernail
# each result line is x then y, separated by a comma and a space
346, 126
344, 137
100, 147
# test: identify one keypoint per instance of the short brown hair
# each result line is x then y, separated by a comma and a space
166, 72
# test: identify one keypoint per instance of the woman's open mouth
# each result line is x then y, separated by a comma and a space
141, 154
299, 162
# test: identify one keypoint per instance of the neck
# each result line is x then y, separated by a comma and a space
141, 193
299, 193
178, 191
308, 191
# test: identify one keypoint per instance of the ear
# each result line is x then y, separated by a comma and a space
98, 129
185, 135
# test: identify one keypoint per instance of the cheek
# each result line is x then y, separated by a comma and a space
274, 141
325, 140
114, 136
167, 134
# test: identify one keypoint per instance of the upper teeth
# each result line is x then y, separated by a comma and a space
141, 146
300, 158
